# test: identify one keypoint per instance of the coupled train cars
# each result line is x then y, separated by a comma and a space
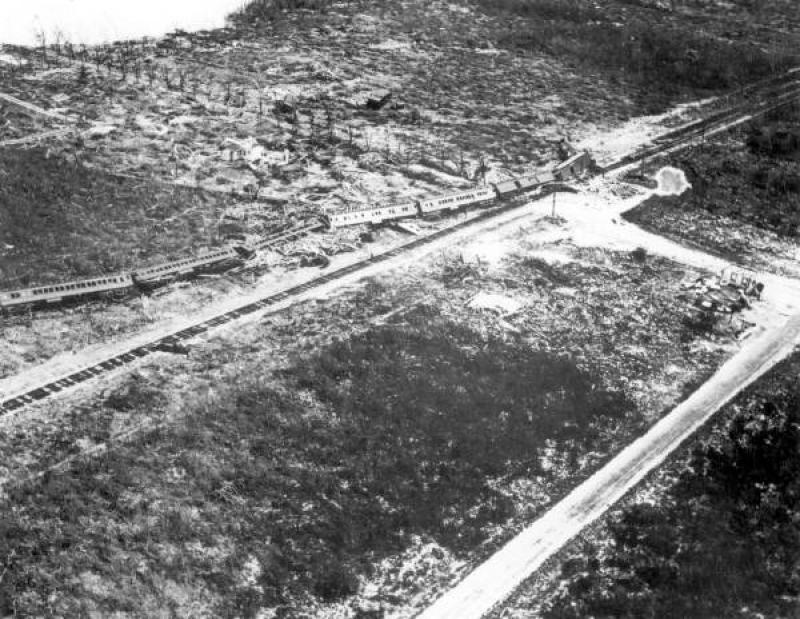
148, 277
573, 167
119, 282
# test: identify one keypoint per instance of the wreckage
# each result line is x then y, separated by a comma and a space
728, 293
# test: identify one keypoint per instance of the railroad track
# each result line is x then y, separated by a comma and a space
679, 138
173, 340
786, 92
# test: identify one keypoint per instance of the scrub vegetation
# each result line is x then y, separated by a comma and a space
745, 196
722, 541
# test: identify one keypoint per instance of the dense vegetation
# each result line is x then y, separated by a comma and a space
645, 47
409, 427
725, 538
753, 179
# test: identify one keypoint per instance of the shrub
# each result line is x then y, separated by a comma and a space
639, 255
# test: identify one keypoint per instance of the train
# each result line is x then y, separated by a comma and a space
119, 282
149, 277
376, 214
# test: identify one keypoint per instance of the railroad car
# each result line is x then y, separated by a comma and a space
373, 214
546, 177
529, 182
60, 292
271, 241
451, 201
177, 268
521, 184
506, 189
573, 167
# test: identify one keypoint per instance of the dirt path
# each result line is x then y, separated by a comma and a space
493, 581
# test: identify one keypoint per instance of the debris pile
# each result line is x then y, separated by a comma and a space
728, 293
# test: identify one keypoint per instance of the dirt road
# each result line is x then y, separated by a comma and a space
493, 581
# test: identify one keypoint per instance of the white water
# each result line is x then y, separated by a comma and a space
99, 21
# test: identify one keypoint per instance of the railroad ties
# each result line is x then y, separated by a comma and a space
174, 339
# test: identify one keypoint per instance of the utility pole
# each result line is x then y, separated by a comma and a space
553, 214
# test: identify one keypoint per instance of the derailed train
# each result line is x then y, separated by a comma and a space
146, 278
118, 282
479, 196
374, 214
